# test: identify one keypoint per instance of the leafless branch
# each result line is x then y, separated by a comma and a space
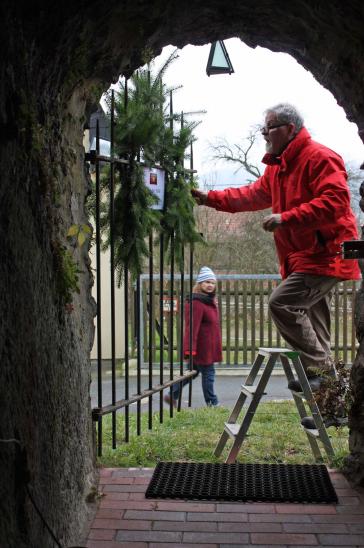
237, 153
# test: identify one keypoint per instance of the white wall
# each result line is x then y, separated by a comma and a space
106, 310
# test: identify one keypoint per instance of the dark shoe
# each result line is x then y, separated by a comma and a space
309, 423
314, 382
167, 399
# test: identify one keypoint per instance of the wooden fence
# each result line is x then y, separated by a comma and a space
245, 320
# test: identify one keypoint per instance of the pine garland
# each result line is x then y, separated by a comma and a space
178, 218
133, 221
144, 130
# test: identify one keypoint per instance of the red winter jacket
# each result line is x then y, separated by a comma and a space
307, 185
206, 334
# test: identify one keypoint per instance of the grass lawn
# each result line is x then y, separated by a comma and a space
275, 436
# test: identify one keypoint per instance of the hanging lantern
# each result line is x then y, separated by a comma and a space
218, 61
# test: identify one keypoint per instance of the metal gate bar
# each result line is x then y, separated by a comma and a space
161, 323
98, 291
190, 362
182, 312
112, 268
126, 350
107, 409
139, 349
170, 322
151, 330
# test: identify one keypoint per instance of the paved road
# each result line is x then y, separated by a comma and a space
227, 390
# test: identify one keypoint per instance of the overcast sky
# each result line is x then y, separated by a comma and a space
236, 102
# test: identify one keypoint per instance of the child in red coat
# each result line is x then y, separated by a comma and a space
206, 335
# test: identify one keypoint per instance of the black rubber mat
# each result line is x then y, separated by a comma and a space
242, 482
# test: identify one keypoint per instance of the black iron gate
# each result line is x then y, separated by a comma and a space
170, 370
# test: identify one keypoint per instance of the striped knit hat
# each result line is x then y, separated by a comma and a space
205, 274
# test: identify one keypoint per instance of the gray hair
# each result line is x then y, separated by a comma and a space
287, 113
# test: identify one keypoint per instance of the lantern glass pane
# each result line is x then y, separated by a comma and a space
219, 59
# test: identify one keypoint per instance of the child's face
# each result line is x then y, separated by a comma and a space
208, 286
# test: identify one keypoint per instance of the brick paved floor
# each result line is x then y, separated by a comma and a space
125, 518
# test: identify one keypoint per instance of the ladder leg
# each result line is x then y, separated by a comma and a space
239, 438
254, 370
249, 382
237, 408
239, 404
312, 441
323, 435
301, 408
221, 444
232, 420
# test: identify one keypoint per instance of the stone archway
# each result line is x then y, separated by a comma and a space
54, 62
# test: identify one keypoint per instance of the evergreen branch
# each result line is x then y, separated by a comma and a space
142, 129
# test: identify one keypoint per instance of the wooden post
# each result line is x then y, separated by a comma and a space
245, 323
252, 319
228, 331
236, 308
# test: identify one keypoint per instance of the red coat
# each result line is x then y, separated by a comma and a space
307, 185
206, 334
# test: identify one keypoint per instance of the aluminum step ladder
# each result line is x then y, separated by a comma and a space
266, 359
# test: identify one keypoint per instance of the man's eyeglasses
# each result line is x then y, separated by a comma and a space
264, 130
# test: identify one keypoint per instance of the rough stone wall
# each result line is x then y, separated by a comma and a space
45, 377
54, 57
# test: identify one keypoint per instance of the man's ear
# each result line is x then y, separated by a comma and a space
292, 130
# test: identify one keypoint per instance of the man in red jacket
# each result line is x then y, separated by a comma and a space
305, 184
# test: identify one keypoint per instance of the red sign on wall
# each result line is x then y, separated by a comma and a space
170, 304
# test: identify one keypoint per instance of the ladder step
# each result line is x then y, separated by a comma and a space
270, 351
232, 429
273, 350
250, 390
312, 432
296, 391
285, 351
298, 394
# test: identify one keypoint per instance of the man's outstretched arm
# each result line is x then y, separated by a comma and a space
252, 197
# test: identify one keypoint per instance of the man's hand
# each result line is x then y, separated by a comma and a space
271, 222
200, 197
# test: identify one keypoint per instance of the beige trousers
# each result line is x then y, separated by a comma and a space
300, 308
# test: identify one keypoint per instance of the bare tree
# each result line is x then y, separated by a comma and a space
235, 243
355, 178
237, 153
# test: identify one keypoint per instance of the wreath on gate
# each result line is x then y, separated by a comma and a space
146, 135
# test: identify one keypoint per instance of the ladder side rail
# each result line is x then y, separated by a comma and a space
231, 420
239, 403
254, 369
248, 417
248, 382
300, 407
316, 415
221, 443
287, 368
322, 432
237, 408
